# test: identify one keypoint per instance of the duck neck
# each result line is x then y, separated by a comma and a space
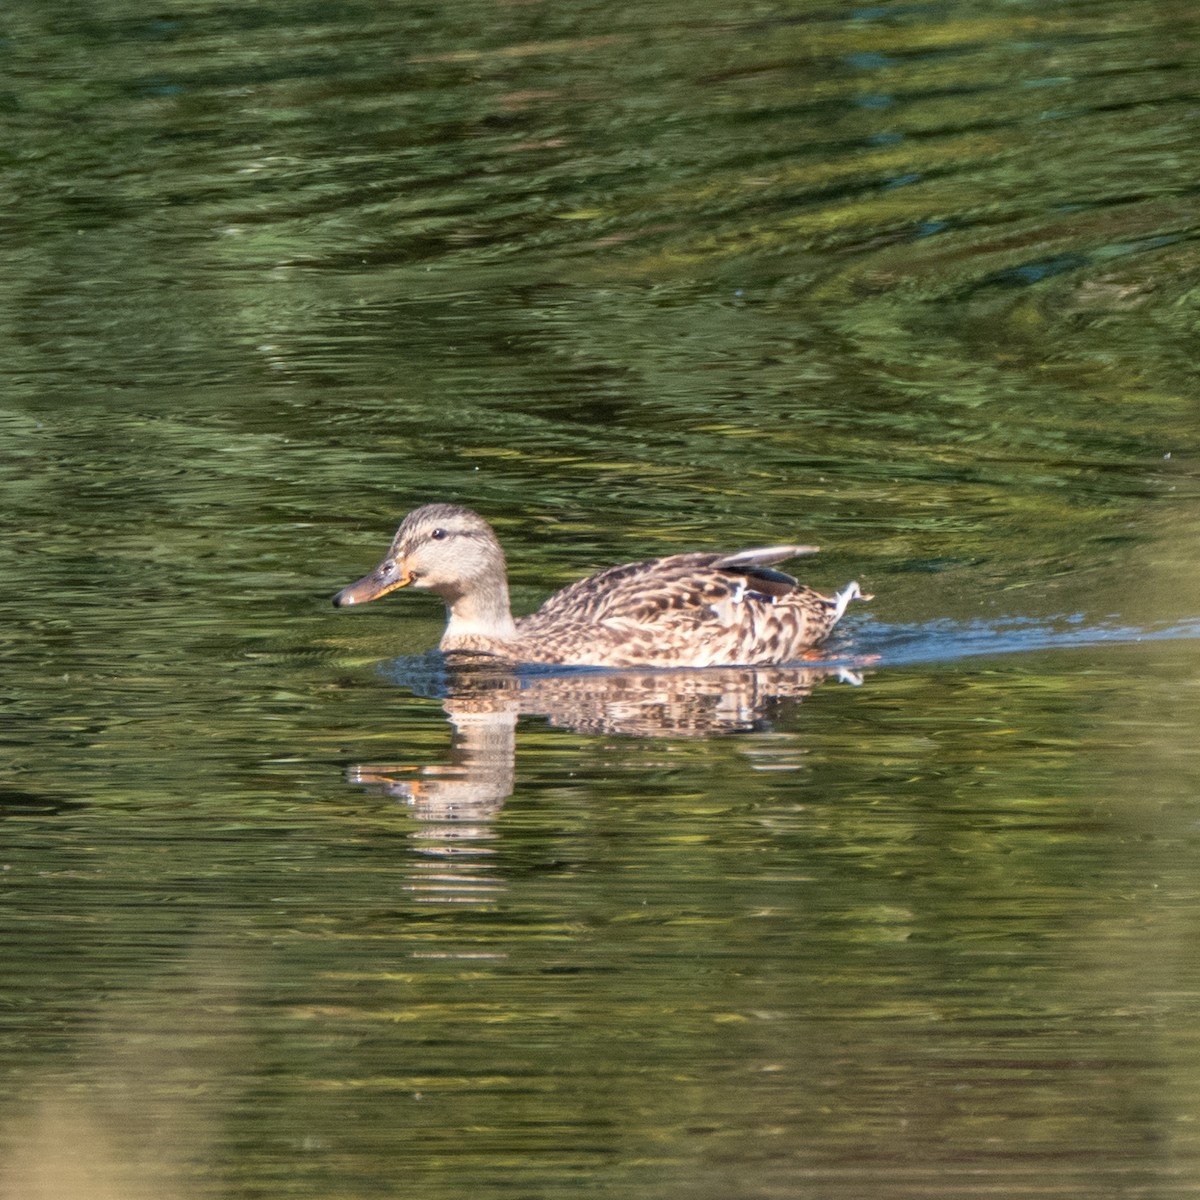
482, 614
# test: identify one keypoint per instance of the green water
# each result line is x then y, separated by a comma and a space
284, 914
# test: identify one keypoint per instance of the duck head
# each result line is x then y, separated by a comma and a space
442, 548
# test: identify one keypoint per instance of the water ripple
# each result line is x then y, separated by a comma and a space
949, 640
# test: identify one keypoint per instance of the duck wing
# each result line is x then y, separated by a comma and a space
684, 610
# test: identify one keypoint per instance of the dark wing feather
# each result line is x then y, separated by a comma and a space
774, 585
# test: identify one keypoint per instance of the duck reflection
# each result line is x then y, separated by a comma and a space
483, 700
454, 801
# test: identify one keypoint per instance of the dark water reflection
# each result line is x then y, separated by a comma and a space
936, 928
914, 282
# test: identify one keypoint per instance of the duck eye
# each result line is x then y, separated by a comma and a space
438, 534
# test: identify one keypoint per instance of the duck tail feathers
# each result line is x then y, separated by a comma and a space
841, 600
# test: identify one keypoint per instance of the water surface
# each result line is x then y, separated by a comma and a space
285, 912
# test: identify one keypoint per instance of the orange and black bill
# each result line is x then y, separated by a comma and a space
386, 577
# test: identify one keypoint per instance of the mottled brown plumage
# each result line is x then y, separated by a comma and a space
687, 610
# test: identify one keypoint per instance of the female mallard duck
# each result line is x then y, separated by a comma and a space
687, 610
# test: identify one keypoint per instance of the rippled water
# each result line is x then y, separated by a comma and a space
288, 908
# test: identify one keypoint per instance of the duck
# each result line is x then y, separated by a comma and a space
702, 609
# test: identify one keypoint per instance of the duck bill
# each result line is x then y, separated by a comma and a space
387, 577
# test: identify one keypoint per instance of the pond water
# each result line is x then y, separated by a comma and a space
289, 908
